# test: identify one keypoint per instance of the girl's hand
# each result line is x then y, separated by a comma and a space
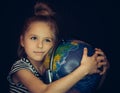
97, 63
102, 61
89, 64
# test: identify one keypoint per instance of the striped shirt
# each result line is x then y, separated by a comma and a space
18, 65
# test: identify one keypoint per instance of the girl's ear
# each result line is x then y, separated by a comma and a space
21, 41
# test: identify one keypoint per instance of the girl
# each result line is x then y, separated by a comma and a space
38, 37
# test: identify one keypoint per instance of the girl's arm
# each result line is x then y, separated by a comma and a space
89, 65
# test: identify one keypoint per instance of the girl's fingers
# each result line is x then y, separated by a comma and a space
100, 58
100, 64
98, 71
103, 61
104, 65
99, 52
103, 71
85, 51
95, 54
98, 49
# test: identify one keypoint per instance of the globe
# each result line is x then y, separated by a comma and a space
66, 58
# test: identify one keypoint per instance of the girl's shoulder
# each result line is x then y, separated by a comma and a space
22, 63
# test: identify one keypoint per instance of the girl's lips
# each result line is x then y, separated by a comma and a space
38, 52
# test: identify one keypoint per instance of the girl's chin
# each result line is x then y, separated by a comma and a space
36, 58
39, 59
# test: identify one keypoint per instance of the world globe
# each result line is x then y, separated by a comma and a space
66, 58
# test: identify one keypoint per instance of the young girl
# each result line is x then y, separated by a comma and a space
38, 37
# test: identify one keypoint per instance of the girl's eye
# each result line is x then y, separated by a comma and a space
48, 40
33, 38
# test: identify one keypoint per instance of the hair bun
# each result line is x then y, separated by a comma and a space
43, 9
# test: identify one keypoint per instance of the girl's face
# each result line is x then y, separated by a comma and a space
37, 41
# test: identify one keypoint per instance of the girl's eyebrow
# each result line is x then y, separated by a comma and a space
49, 38
32, 35
38, 36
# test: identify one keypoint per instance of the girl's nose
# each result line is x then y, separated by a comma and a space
40, 44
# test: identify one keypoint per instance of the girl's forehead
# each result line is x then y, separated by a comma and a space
39, 24
40, 28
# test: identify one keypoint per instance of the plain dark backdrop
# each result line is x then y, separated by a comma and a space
95, 22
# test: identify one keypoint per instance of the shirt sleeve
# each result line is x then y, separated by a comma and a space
16, 67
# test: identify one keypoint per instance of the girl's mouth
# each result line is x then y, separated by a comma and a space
39, 52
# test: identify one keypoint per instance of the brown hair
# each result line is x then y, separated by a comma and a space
42, 13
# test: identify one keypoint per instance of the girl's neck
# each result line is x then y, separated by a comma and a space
38, 66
